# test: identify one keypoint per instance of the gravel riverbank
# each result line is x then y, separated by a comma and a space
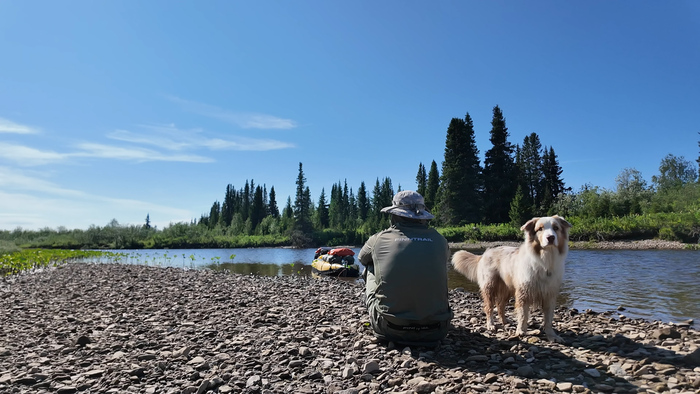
106, 328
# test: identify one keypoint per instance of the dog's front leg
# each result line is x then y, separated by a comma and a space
548, 311
522, 310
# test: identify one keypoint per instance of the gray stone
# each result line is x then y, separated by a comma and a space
425, 387
526, 371
196, 361
370, 367
203, 387
295, 363
254, 380
664, 333
592, 372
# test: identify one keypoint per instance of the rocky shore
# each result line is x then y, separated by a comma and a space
106, 328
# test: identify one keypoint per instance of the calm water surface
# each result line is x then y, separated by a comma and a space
652, 284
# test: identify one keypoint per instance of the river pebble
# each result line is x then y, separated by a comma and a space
109, 328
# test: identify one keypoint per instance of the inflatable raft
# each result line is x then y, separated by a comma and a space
335, 262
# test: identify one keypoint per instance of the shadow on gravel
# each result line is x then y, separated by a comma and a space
520, 360
600, 363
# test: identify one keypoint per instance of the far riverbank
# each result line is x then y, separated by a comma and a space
644, 244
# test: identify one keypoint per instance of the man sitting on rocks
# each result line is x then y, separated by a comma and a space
406, 276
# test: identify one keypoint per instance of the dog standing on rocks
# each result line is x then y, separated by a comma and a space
532, 273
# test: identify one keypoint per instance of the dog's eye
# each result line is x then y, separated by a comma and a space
556, 228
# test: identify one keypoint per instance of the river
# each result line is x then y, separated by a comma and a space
651, 284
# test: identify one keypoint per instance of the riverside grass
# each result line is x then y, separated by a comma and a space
683, 227
24, 260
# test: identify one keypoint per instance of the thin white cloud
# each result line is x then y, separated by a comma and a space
11, 179
246, 120
133, 154
172, 138
32, 202
27, 156
249, 144
8, 126
128, 136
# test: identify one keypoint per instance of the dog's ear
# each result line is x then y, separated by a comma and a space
530, 225
562, 221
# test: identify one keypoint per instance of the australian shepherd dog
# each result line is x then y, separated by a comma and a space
532, 273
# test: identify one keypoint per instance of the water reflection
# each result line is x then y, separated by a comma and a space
652, 284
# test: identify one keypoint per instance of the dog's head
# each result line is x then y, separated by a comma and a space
547, 232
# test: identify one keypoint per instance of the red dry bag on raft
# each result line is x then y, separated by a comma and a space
341, 252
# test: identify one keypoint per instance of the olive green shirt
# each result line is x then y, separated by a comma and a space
407, 274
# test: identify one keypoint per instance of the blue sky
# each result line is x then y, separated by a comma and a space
119, 109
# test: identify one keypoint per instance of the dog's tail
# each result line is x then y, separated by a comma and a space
466, 264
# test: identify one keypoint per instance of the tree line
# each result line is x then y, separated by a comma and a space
514, 182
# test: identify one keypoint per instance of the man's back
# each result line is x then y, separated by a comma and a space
407, 281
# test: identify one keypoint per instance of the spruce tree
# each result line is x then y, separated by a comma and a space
519, 209
421, 180
228, 206
387, 193
335, 207
302, 214
531, 169
461, 175
432, 186
266, 204
553, 184
385, 198
287, 218
345, 206
288, 211
500, 177
377, 203
214, 214
245, 201
272, 204
257, 209
352, 210
363, 205
322, 210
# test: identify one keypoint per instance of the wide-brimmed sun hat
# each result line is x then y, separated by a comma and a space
408, 204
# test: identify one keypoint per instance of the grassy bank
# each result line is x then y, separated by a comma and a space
680, 227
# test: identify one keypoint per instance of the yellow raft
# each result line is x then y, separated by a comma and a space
335, 262
334, 269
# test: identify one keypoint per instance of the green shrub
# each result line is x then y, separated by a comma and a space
667, 234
